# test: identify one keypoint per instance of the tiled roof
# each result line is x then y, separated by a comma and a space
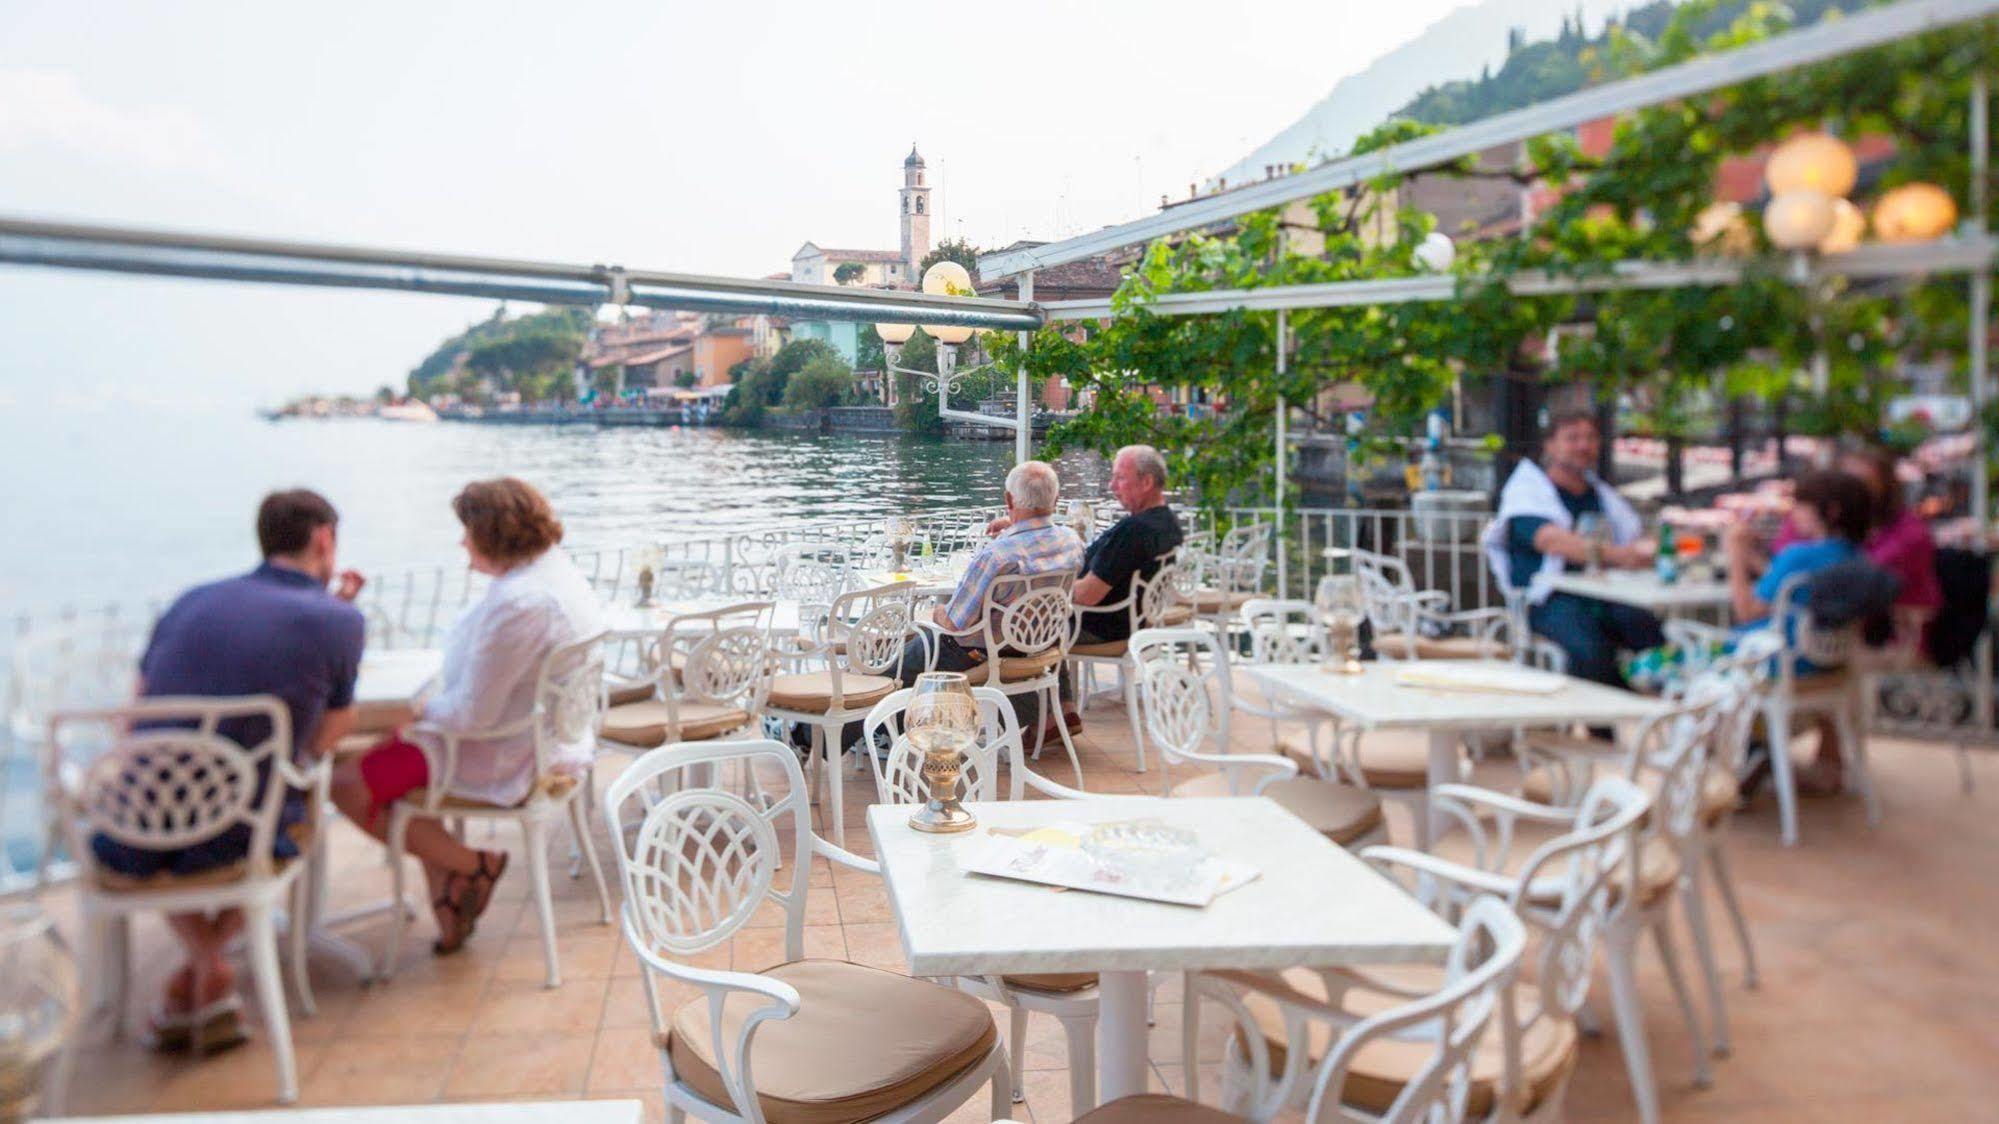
861, 255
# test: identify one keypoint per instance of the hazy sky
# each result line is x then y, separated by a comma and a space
711, 137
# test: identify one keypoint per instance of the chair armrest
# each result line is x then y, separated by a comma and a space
1028, 778
1478, 881
1509, 806
843, 856
1433, 601
1274, 767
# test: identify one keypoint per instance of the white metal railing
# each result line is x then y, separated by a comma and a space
413, 607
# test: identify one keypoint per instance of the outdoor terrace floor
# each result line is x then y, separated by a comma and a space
1879, 1001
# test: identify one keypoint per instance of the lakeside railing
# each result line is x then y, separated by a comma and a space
84, 657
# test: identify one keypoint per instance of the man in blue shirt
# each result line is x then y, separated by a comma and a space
276, 630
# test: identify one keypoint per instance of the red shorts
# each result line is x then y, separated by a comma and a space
391, 771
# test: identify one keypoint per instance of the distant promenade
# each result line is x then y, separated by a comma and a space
636, 416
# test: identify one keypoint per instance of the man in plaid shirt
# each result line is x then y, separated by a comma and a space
1031, 545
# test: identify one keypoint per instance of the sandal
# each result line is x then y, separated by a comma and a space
465, 897
211, 1028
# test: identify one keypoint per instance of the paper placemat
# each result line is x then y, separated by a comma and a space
1479, 677
1053, 855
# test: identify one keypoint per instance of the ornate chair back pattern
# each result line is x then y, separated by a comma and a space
1586, 861
569, 701
1282, 631
168, 779
1026, 615
729, 667
899, 777
873, 625
1184, 708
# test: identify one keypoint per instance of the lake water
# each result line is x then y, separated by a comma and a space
126, 506
117, 505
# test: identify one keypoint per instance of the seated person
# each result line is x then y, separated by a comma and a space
1133, 547
1030, 543
1830, 520
1544, 513
273, 631
537, 602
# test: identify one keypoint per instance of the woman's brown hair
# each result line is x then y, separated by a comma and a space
508, 519
1842, 501
1882, 463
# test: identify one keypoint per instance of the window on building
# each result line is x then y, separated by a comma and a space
919, 205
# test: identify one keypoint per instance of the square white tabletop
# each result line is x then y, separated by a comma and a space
1313, 904
393, 676
1375, 701
1642, 589
541, 1112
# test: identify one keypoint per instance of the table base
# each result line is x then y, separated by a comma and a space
1122, 1036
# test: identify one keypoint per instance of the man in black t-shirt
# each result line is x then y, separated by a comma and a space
1133, 546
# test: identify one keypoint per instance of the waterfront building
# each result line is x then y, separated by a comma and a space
814, 264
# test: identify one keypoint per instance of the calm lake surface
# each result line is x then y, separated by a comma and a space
116, 505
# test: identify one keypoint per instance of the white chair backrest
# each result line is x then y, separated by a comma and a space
1184, 693
723, 662
810, 578
1388, 594
1826, 648
1029, 614
873, 626
1480, 968
1242, 558
1282, 631
683, 579
698, 862
899, 777
1674, 746
1584, 863
167, 779
569, 701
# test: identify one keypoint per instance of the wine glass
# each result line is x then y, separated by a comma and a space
897, 530
1081, 518
38, 1003
942, 721
1340, 609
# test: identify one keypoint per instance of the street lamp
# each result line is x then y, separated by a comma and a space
893, 336
1914, 212
1812, 162
1798, 220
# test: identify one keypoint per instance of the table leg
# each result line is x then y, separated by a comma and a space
1443, 770
1122, 1061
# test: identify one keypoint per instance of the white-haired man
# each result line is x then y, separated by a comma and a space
1029, 543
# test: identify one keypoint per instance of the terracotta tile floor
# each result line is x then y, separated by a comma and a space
1879, 1001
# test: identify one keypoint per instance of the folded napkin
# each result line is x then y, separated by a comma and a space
1486, 677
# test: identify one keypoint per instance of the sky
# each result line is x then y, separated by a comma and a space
698, 137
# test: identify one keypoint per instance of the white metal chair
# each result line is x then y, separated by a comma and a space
167, 780
1232, 573
1186, 704
1563, 890
1813, 679
1161, 600
1437, 1033
709, 674
568, 704
855, 665
1412, 624
1068, 996
1027, 627
1673, 748
822, 1039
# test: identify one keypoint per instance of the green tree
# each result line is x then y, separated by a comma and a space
848, 271
825, 381
952, 249
686, 380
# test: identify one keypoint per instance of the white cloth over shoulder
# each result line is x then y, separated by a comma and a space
1529, 491
492, 661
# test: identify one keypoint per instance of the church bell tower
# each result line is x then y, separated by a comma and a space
915, 215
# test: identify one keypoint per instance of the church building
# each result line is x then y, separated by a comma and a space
878, 269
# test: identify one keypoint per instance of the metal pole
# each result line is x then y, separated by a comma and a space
1283, 553
1976, 351
1023, 434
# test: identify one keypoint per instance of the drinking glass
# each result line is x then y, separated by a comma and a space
942, 721
1340, 610
38, 1003
1591, 526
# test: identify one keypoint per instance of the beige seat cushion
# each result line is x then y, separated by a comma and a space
1384, 1067
1156, 1108
621, 692
1214, 600
1013, 669
112, 882
864, 1042
1719, 792
1387, 761
554, 786
1058, 982
1109, 649
1396, 646
645, 723
1658, 863
1340, 812
811, 692
1176, 615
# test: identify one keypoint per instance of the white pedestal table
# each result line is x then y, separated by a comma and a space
1313, 905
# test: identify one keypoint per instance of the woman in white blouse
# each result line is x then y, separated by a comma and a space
537, 602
